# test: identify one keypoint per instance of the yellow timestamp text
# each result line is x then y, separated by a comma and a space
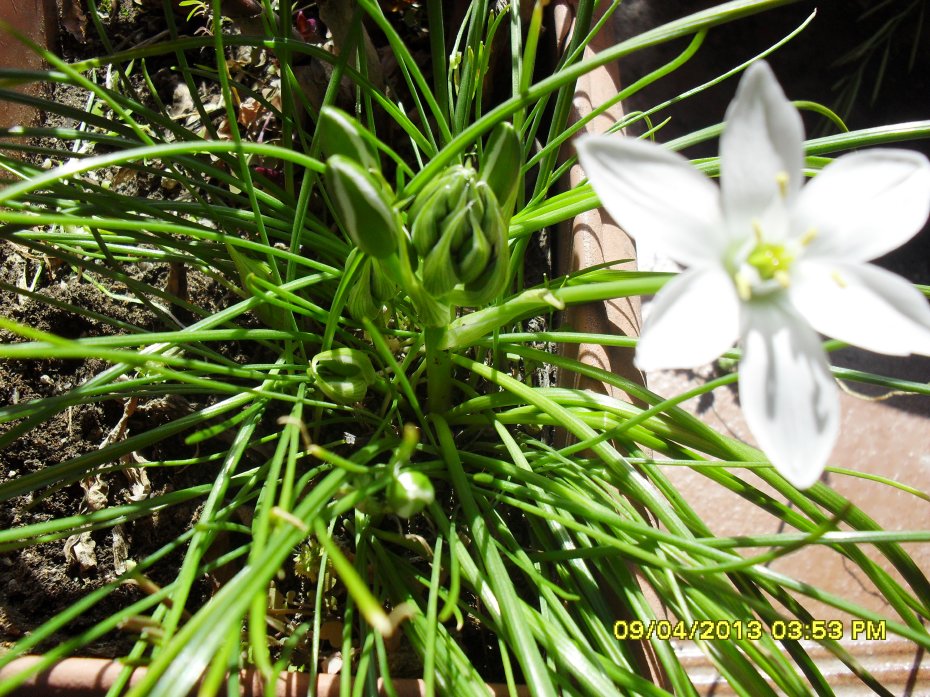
723, 630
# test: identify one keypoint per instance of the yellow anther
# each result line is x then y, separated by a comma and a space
839, 280
757, 230
784, 280
782, 179
808, 237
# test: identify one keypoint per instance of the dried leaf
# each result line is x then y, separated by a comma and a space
249, 111
139, 485
79, 549
73, 19
95, 492
124, 175
223, 132
120, 550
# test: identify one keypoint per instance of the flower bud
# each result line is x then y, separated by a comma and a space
460, 236
344, 375
248, 268
361, 204
438, 200
492, 279
500, 166
460, 253
410, 493
340, 134
371, 290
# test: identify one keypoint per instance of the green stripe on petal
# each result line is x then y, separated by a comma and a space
344, 375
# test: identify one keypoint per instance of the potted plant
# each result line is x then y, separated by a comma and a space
299, 375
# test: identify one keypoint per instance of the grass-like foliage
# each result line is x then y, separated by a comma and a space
359, 432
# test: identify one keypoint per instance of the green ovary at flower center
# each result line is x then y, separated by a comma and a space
764, 270
770, 260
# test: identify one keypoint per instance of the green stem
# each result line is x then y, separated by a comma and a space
438, 371
472, 327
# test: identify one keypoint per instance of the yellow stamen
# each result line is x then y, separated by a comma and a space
757, 230
782, 178
784, 280
808, 237
743, 287
839, 280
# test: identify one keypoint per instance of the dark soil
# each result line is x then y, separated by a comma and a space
38, 582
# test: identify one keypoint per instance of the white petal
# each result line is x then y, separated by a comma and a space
787, 393
862, 304
761, 152
864, 204
651, 191
694, 319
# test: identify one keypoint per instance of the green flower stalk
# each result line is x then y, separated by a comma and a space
250, 269
344, 375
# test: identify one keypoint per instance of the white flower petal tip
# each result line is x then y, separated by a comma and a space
788, 396
865, 204
863, 305
651, 191
761, 149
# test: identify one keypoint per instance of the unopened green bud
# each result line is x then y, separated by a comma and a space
363, 208
410, 493
492, 280
438, 201
460, 235
460, 254
500, 166
248, 269
371, 290
344, 375
340, 134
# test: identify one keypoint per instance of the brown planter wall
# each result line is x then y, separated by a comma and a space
37, 19
92, 677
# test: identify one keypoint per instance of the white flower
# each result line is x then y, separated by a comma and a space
770, 263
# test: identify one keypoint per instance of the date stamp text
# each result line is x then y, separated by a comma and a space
724, 630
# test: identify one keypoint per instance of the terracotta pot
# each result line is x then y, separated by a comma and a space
91, 677
37, 20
